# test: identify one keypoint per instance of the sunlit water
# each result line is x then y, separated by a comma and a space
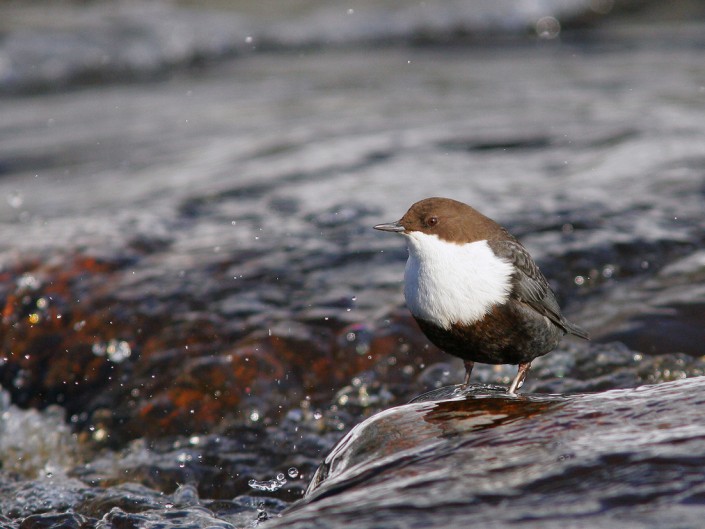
189, 271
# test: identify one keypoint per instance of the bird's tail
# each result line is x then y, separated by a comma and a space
573, 329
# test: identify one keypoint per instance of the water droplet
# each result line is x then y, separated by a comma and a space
15, 199
271, 485
116, 350
28, 281
608, 271
293, 472
548, 28
184, 458
100, 434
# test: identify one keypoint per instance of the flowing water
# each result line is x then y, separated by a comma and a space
620, 458
195, 308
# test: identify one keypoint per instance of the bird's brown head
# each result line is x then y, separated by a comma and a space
448, 219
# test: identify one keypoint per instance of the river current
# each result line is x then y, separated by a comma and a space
195, 308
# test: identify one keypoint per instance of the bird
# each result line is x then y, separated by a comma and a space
475, 291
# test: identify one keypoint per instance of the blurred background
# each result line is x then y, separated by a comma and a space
191, 289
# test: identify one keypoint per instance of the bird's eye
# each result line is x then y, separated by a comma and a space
432, 221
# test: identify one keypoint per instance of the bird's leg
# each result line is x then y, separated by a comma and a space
519, 379
468, 369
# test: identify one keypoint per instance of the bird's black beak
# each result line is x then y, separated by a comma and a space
392, 226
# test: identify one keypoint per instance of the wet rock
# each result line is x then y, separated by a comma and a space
604, 457
110, 350
123, 371
396, 434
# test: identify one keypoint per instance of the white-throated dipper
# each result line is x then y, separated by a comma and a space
474, 290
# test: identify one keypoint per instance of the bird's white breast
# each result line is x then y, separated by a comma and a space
446, 283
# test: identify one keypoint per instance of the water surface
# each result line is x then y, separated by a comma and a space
193, 296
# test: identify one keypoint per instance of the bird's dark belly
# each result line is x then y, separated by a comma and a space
510, 334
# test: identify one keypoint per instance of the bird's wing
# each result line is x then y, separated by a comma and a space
531, 287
